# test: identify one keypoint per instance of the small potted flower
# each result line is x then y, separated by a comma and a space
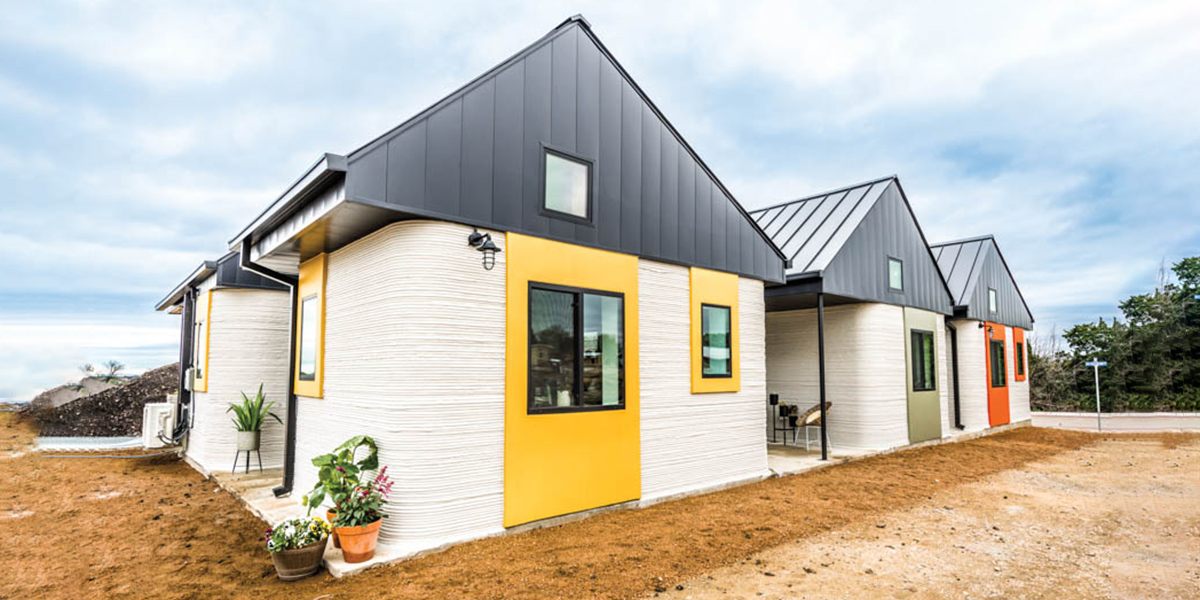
297, 546
360, 515
337, 475
249, 417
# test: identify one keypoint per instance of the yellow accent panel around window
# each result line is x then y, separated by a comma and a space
720, 289
204, 308
310, 342
555, 464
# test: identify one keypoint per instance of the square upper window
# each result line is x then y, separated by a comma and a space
895, 274
568, 186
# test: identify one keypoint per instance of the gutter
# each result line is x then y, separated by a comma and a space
293, 283
958, 424
296, 194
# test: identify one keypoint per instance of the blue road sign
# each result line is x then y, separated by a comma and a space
1096, 363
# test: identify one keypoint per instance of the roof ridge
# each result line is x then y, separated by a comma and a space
978, 238
827, 193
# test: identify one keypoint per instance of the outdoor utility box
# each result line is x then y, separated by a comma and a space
158, 420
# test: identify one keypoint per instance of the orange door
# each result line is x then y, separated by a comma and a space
996, 348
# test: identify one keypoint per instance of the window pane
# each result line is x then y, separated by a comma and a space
308, 339
715, 349
1020, 358
991, 300
200, 349
603, 350
566, 186
998, 364
895, 274
924, 378
552, 348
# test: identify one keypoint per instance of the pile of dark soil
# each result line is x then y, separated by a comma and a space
113, 412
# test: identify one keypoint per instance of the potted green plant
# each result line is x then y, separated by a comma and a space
338, 473
360, 516
249, 417
297, 546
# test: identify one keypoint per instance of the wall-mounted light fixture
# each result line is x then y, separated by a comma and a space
982, 325
483, 243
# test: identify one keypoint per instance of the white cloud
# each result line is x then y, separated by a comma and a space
159, 43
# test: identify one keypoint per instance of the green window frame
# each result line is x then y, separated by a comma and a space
716, 341
924, 360
1020, 347
895, 274
999, 365
576, 349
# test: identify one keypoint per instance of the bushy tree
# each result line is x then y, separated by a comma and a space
1152, 352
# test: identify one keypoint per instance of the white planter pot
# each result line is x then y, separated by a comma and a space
248, 440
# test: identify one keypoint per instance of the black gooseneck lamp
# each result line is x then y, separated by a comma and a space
483, 243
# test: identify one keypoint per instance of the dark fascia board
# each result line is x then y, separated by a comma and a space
827, 193
205, 269
293, 197
585, 26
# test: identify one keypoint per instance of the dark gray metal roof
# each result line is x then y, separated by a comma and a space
475, 157
844, 238
970, 267
229, 275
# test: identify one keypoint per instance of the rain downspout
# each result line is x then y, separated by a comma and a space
289, 454
954, 367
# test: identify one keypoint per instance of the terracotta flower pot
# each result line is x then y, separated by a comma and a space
329, 516
299, 563
358, 543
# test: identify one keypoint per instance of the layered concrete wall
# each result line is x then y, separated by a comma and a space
696, 441
247, 346
865, 370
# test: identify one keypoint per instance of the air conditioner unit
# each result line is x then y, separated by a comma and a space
158, 421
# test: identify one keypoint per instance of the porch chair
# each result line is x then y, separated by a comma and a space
811, 420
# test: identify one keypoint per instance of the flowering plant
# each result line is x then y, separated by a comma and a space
296, 533
364, 504
338, 471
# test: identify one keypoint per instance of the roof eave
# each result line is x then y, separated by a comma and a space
325, 167
205, 269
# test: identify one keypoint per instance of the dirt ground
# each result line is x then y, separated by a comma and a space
1119, 519
155, 528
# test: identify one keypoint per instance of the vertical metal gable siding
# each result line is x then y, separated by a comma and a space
860, 268
1010, 309
476, 157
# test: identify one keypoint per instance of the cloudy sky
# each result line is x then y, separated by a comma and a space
136, 138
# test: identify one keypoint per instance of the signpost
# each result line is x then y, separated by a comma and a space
1095, 365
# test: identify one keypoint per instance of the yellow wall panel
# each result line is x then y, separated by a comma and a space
713, 287
312, 283
556, 464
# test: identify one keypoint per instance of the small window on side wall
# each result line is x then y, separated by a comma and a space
895, 274
924, 378
308, 339
568, 187
999, 366
576, 350
716, 332
992, 300
1020, 348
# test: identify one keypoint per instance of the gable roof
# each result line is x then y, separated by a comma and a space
474, 157
962, 263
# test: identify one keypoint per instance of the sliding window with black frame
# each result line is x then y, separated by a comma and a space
576, 349
924, 377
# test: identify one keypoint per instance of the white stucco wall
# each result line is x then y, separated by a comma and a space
864, 367
414, 357
696, 441
1018, 391
247, 346
972, 375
